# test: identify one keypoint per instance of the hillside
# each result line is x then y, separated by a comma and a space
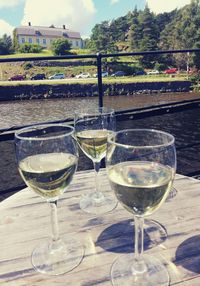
143, 30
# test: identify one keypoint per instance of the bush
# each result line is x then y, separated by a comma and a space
27, 66
61, 47
160, 66
30, 48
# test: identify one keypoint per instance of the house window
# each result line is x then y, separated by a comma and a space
77, 43
38, 41
23, 40
30, 40
44, 41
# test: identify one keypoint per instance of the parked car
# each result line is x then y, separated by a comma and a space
17, 77
152, 72
83, 75
57, 76
171, 71
119, 73
139, 73
103, 74
38, 76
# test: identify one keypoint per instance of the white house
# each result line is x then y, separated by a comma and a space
44, 36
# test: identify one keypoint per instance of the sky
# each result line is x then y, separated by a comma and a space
77, 15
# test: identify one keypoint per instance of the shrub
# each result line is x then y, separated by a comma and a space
27, 66
61, 47
30, 48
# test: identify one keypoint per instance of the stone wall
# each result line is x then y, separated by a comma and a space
29, 91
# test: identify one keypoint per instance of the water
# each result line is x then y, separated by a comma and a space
18, 113
184, 125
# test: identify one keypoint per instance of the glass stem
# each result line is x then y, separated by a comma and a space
139, 237
96, 171
54, 223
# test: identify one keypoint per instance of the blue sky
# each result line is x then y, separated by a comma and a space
78, 15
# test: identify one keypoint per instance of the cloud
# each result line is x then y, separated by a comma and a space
112, 2
160, 6
9, 3
74, 14
5, 28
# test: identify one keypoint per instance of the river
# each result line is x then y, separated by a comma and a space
184, 125
18, 113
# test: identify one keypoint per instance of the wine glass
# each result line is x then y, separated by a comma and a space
92, 127
141, 165
47, 158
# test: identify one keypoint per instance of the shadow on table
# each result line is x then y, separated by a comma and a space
119, 237
191, 248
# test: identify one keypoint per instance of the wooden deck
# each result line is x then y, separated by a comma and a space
25, 221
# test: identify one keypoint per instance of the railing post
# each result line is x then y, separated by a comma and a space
99, 78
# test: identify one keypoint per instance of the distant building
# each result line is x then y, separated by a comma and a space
44, 36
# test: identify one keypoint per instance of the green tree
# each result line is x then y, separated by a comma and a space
6, 46
102, 38
15, 40
134, 34
182, 32
61, 47
149, 36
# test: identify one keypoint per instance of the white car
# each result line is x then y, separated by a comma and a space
103, 74
153, 72
57, 76
83, 75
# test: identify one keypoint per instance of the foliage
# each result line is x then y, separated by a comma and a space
6, 45
102, 38
15, 40
160, 66
144, 31
30, 48
27, 66
61, 47
182, 32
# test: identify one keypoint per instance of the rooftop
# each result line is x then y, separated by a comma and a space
47, 31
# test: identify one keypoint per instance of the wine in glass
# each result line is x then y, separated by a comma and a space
92, 127
141, 165
47, 158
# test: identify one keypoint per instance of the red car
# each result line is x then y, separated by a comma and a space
171, 71
17, 77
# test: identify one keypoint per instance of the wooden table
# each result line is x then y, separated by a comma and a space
25, 221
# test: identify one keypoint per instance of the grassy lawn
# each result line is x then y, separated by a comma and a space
9, 69
28, 55
44, 53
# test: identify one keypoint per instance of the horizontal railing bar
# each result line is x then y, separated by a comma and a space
95, 56
151, 53
49, 58
171, 104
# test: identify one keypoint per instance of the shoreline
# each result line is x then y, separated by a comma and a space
72, 90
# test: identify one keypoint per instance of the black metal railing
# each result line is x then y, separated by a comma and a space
99, 56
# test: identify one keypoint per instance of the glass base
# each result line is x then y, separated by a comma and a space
127, 271
98, 203
59, 258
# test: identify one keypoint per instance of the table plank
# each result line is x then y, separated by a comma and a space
25, 221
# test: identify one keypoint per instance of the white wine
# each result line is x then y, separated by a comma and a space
93, 143
48, 174
140, 186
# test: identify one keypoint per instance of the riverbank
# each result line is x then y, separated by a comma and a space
70, 90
